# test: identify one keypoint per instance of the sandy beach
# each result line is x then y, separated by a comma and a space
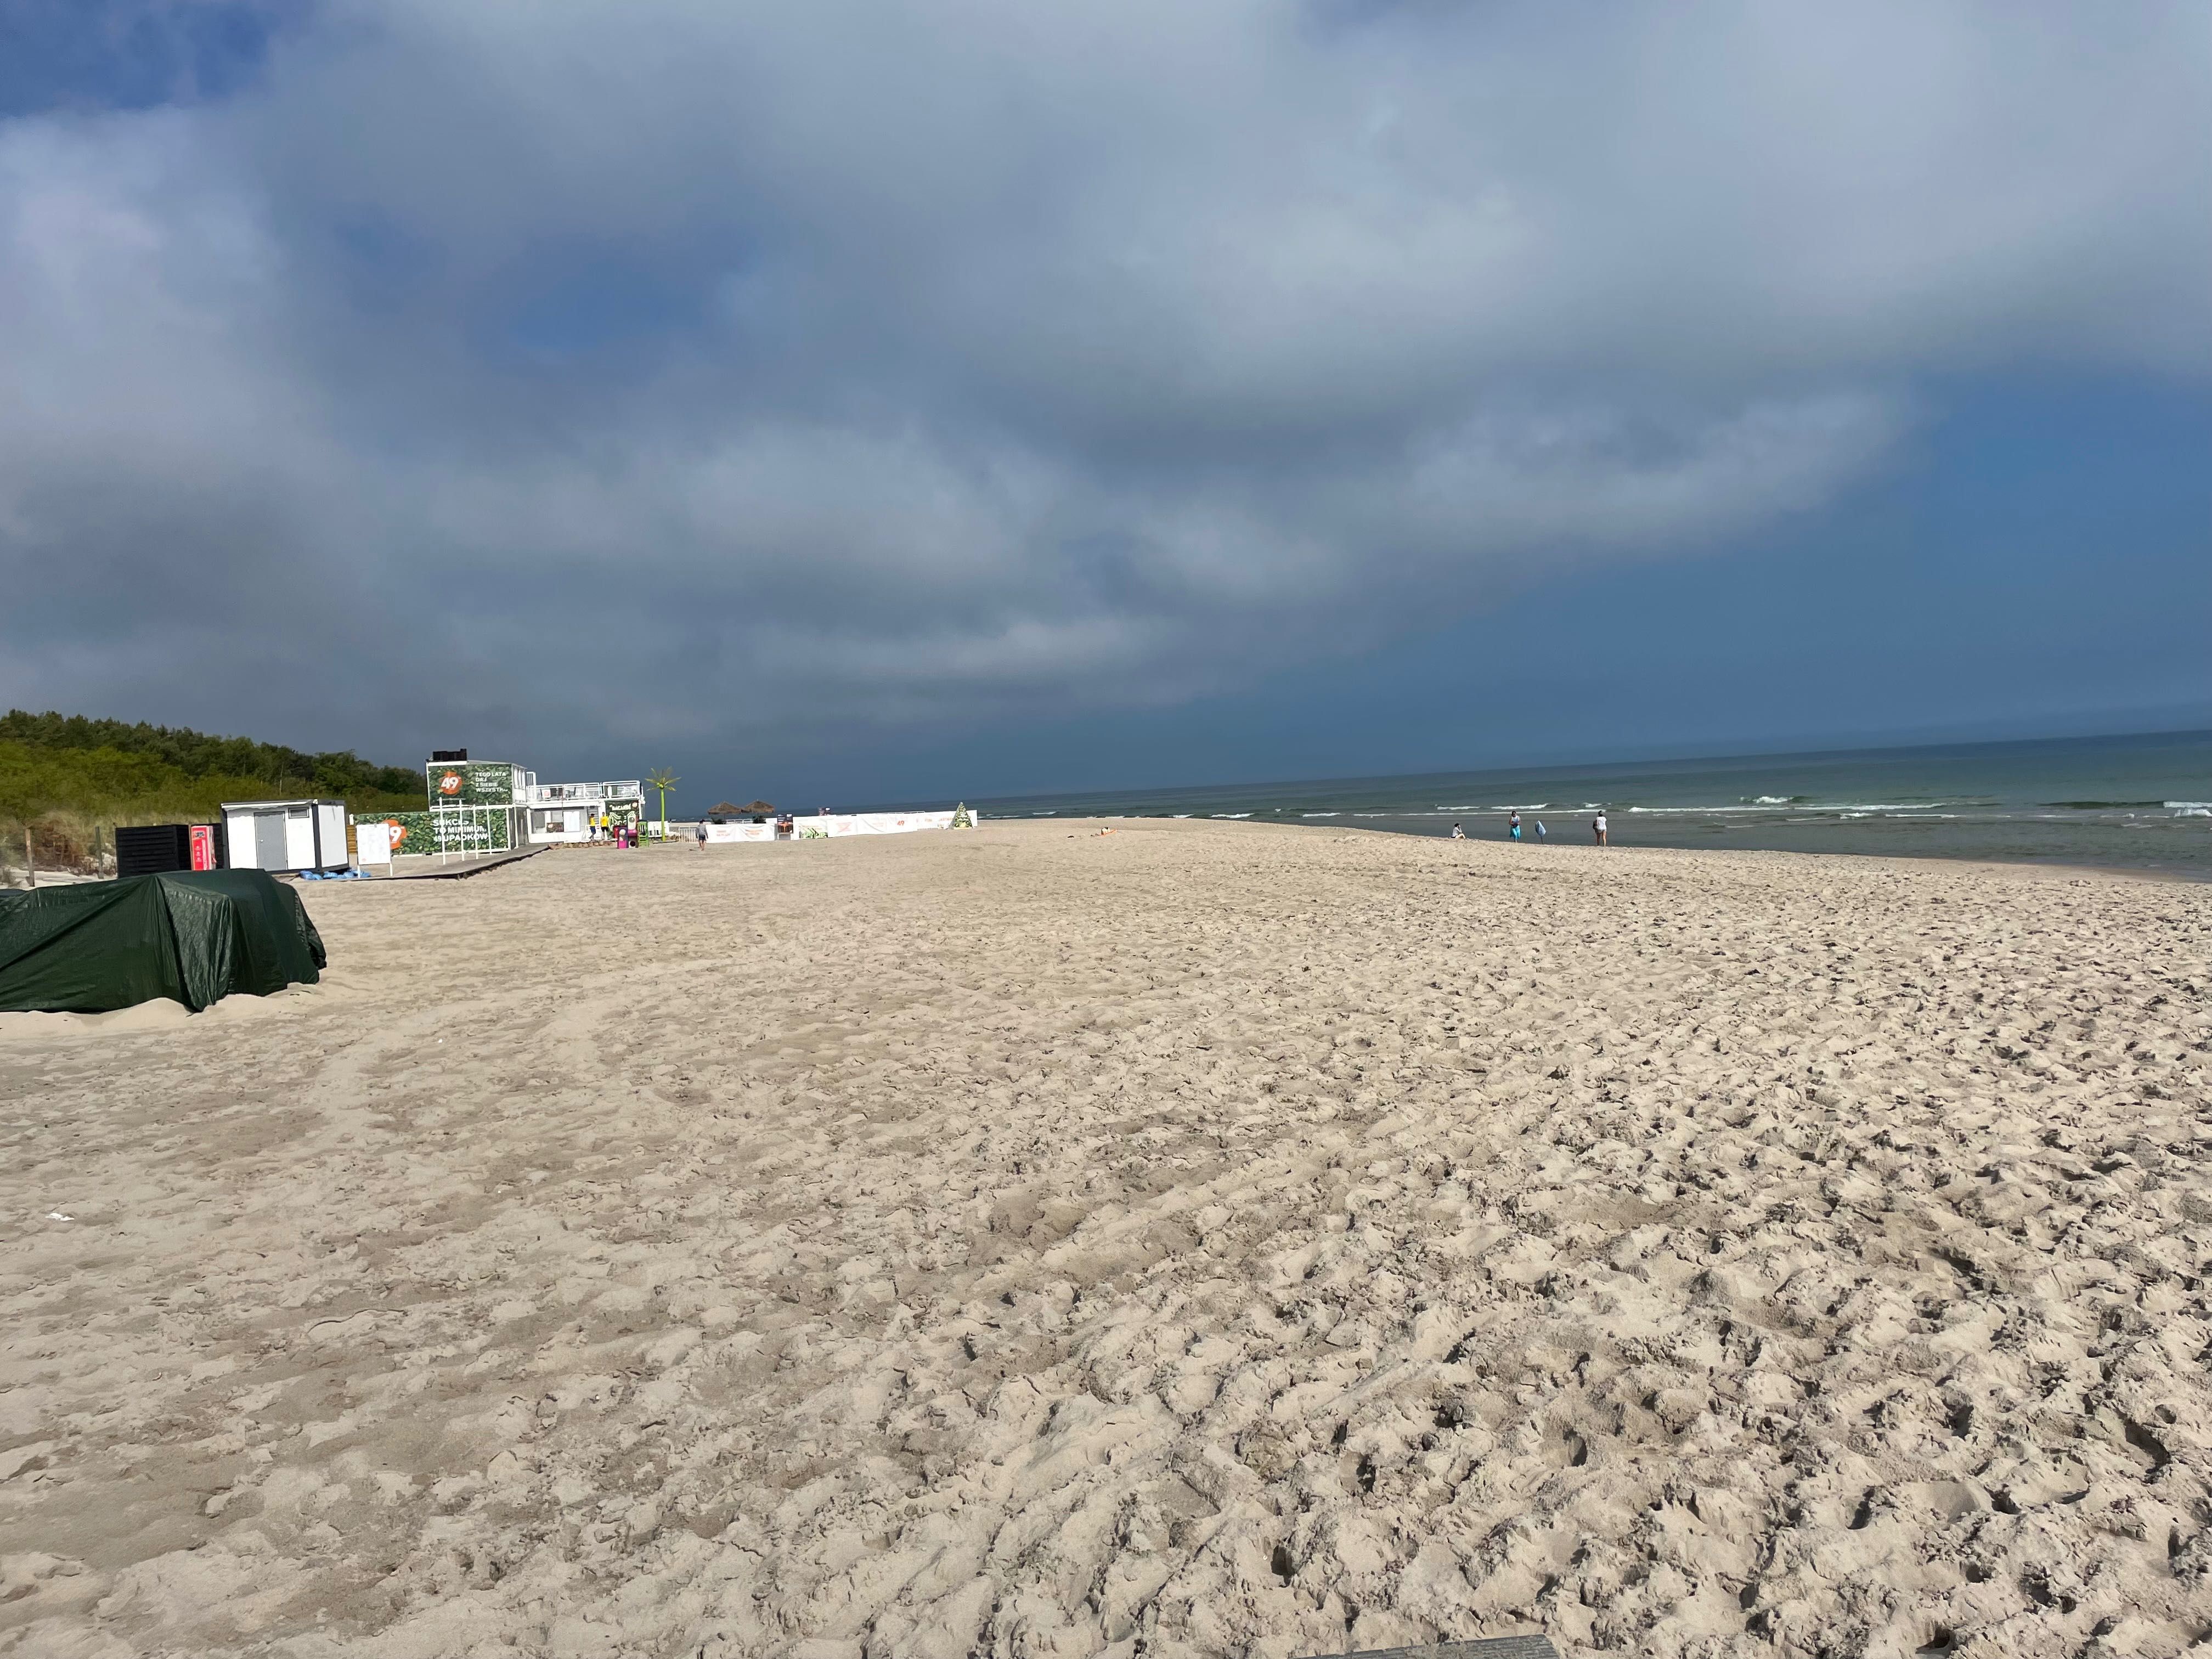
1203, 1239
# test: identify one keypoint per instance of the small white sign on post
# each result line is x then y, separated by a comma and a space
371, 844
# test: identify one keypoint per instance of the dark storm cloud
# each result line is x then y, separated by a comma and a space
874, 364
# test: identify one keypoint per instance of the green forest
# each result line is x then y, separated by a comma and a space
69, 779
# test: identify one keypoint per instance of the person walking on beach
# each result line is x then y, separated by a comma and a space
1513, 827
700, 830
1540, 828
1597, 826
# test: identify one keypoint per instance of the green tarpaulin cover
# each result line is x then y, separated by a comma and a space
196, 936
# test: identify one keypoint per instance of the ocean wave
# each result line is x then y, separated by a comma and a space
2186, 805
1885, 805
1847, 808
1321, 815
1229, 815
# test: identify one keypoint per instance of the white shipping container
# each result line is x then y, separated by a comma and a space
284, 835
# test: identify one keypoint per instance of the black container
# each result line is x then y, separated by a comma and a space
153, 849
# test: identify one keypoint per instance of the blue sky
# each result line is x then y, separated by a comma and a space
876, 401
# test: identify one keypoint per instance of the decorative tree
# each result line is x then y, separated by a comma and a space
662, 779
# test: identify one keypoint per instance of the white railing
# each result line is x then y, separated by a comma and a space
573, 794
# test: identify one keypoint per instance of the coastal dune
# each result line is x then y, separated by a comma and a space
1200, 1239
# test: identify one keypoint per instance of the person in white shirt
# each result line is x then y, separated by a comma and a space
1597, 828
1458, 834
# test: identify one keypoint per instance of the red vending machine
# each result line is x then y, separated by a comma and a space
205, 848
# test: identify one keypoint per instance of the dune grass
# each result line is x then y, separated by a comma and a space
68, 781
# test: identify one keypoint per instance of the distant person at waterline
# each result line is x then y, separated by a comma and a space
1513, 827
1597, 828
1457, 833
1540, 828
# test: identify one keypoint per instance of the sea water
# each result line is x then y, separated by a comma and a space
2141, 802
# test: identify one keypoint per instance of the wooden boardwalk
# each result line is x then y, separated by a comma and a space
453, 869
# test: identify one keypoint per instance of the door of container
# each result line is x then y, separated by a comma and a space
268, 841
330, 836
299, 838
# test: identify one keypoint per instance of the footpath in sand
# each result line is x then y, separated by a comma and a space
1206, 1239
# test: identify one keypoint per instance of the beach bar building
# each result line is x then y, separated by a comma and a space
563, 812
481, 807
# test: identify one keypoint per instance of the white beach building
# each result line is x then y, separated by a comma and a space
574, 811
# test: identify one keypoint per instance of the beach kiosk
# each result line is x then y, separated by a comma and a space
569, 812
284, 836
481, 807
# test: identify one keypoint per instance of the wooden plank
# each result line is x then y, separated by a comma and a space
475, 866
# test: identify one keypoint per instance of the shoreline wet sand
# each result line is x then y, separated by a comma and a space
1193, 1240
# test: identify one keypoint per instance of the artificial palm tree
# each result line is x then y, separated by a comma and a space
664, 780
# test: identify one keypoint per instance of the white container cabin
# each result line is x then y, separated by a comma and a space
285, 836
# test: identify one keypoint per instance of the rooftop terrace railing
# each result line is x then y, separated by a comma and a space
568, 795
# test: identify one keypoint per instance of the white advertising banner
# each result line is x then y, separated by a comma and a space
870, 824
837, 823
371, 844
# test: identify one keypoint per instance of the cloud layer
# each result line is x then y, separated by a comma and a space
575, 375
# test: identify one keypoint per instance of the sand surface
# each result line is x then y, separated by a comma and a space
1206, 1239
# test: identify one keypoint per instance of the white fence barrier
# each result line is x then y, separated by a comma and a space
870, 824
837, 823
